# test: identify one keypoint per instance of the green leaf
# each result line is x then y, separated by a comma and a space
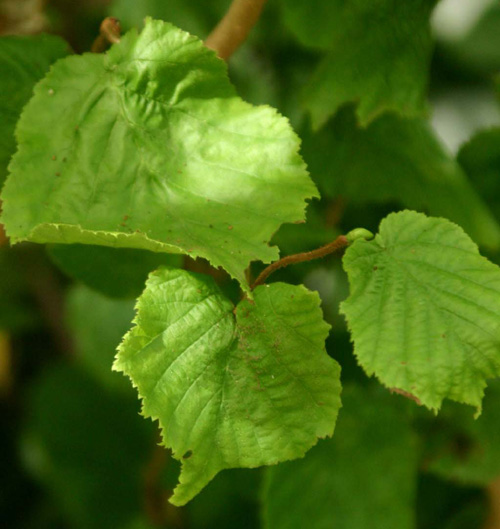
97, 325
424, 309
23, 62
88, 448
396, 159
364, 477
466, 450
116, 272
231, 387
148, 147
379, 54
196, 17
479, 50
480, 159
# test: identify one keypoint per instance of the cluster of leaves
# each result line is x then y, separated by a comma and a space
131, 164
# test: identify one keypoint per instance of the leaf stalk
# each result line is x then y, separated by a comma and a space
339, 243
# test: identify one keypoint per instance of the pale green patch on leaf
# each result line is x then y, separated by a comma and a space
149, 147
365, 477
23, 62
397, 159
424, 309
378, 54
231, 387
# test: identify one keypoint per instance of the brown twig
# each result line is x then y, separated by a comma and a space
109, 33
158, 510
234, 28
338, 244
493, 491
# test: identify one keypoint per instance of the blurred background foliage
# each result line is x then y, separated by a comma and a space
76, 454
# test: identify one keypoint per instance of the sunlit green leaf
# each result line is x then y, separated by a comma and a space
231, 387
424, 309
148, 147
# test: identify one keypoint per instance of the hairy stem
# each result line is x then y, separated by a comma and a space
109, 33
338, 244
234, 28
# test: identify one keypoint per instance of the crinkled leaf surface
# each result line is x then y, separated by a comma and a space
23, 62
379, 54
424, 309
149, 147
364, 477
231, 387
396, 159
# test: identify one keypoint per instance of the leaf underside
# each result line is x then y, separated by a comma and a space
231, 387
148, 147
424, 309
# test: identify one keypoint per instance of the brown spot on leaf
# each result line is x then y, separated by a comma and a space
188, 454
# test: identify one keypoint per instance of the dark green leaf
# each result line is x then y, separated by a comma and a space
23, 62
116, 272
401, 160
378, 54
363, 478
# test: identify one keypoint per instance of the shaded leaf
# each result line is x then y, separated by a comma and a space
378, 54
480, 159
396, 159
23, 62
87, 447
363, 477
231, 387
424, 309
116, 272
97, 324
464, 449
